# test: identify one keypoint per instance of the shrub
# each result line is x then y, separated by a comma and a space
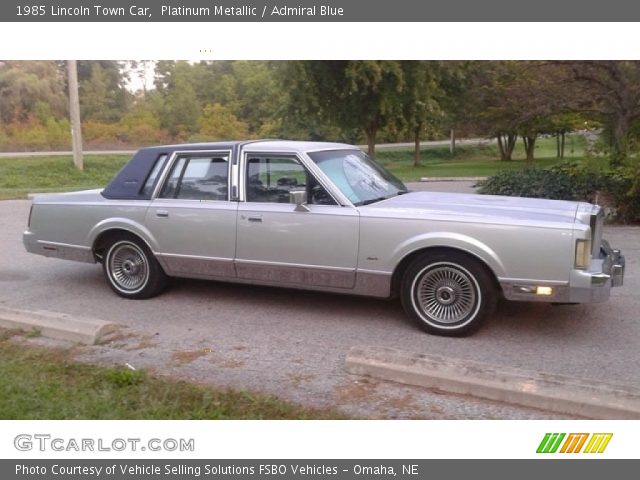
34, 134
531, 182
572, 181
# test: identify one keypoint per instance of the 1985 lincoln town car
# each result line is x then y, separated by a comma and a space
324, 216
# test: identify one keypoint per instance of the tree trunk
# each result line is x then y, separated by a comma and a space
626, 211
506, 144
371, 141
564, 135
620, 140
452, 145
558, 153
529, 146
416, 144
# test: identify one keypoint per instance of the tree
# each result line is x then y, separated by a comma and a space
490, 104
516, 98
420, 97
258, 95
103, 93
610, 90
219, 123
180, 108
455, 83
363, 95
26, 85
561, 124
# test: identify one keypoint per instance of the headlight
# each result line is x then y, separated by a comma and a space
583, 253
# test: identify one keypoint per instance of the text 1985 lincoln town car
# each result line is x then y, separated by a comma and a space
324, 216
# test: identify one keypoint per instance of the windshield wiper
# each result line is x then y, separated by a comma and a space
373, 200
379, 199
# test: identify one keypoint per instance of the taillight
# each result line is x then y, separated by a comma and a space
29, 221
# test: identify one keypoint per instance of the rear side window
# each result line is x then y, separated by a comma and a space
150, 183
201, 177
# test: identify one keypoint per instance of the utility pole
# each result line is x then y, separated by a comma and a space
74, 110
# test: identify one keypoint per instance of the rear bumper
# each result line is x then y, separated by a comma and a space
585, 286
65, 251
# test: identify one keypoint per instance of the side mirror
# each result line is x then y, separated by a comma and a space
299, 198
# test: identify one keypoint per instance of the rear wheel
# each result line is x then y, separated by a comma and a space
131, 269
448, 293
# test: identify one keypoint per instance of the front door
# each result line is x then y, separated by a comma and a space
279, 244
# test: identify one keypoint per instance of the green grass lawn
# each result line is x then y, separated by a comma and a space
44, 383
19, 176
474, 161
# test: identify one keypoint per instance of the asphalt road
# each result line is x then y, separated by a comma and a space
293, 344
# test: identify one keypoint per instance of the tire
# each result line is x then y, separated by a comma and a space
131, 269
448, 293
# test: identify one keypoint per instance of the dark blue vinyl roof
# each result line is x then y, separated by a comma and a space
128, 182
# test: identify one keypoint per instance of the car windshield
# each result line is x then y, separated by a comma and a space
360, 179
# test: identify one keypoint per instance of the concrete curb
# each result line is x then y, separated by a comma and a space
452, 179
530, 389
89, 331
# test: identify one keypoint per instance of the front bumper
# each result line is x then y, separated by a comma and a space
585, 286
605, 272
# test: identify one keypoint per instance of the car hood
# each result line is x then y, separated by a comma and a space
435, 204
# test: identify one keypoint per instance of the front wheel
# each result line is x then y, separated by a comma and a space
131, 269
448, 293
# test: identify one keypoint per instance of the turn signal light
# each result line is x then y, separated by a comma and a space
583, 253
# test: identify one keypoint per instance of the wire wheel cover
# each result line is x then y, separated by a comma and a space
128, 267
446, 294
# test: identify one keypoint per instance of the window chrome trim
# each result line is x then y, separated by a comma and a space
242, 176
180, 153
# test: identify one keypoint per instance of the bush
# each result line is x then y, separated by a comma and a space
55, 134
46, 134
531, 182
572, 181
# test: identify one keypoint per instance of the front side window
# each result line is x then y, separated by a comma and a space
198, 177
360, 179
270, 179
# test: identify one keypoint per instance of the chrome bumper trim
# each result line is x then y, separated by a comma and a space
586, 286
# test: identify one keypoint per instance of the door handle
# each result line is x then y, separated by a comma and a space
162, 213
255, 218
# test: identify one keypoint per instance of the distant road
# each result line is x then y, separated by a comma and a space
432, 143
69, 153
381, 146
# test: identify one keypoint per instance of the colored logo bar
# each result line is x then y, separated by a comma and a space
574, 443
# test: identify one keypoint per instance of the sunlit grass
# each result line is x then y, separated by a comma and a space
45, 383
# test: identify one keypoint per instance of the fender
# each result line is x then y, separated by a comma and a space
449, 240
119, 223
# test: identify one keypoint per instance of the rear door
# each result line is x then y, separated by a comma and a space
192, 218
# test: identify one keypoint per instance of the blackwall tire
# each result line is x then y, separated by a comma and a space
448, 293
